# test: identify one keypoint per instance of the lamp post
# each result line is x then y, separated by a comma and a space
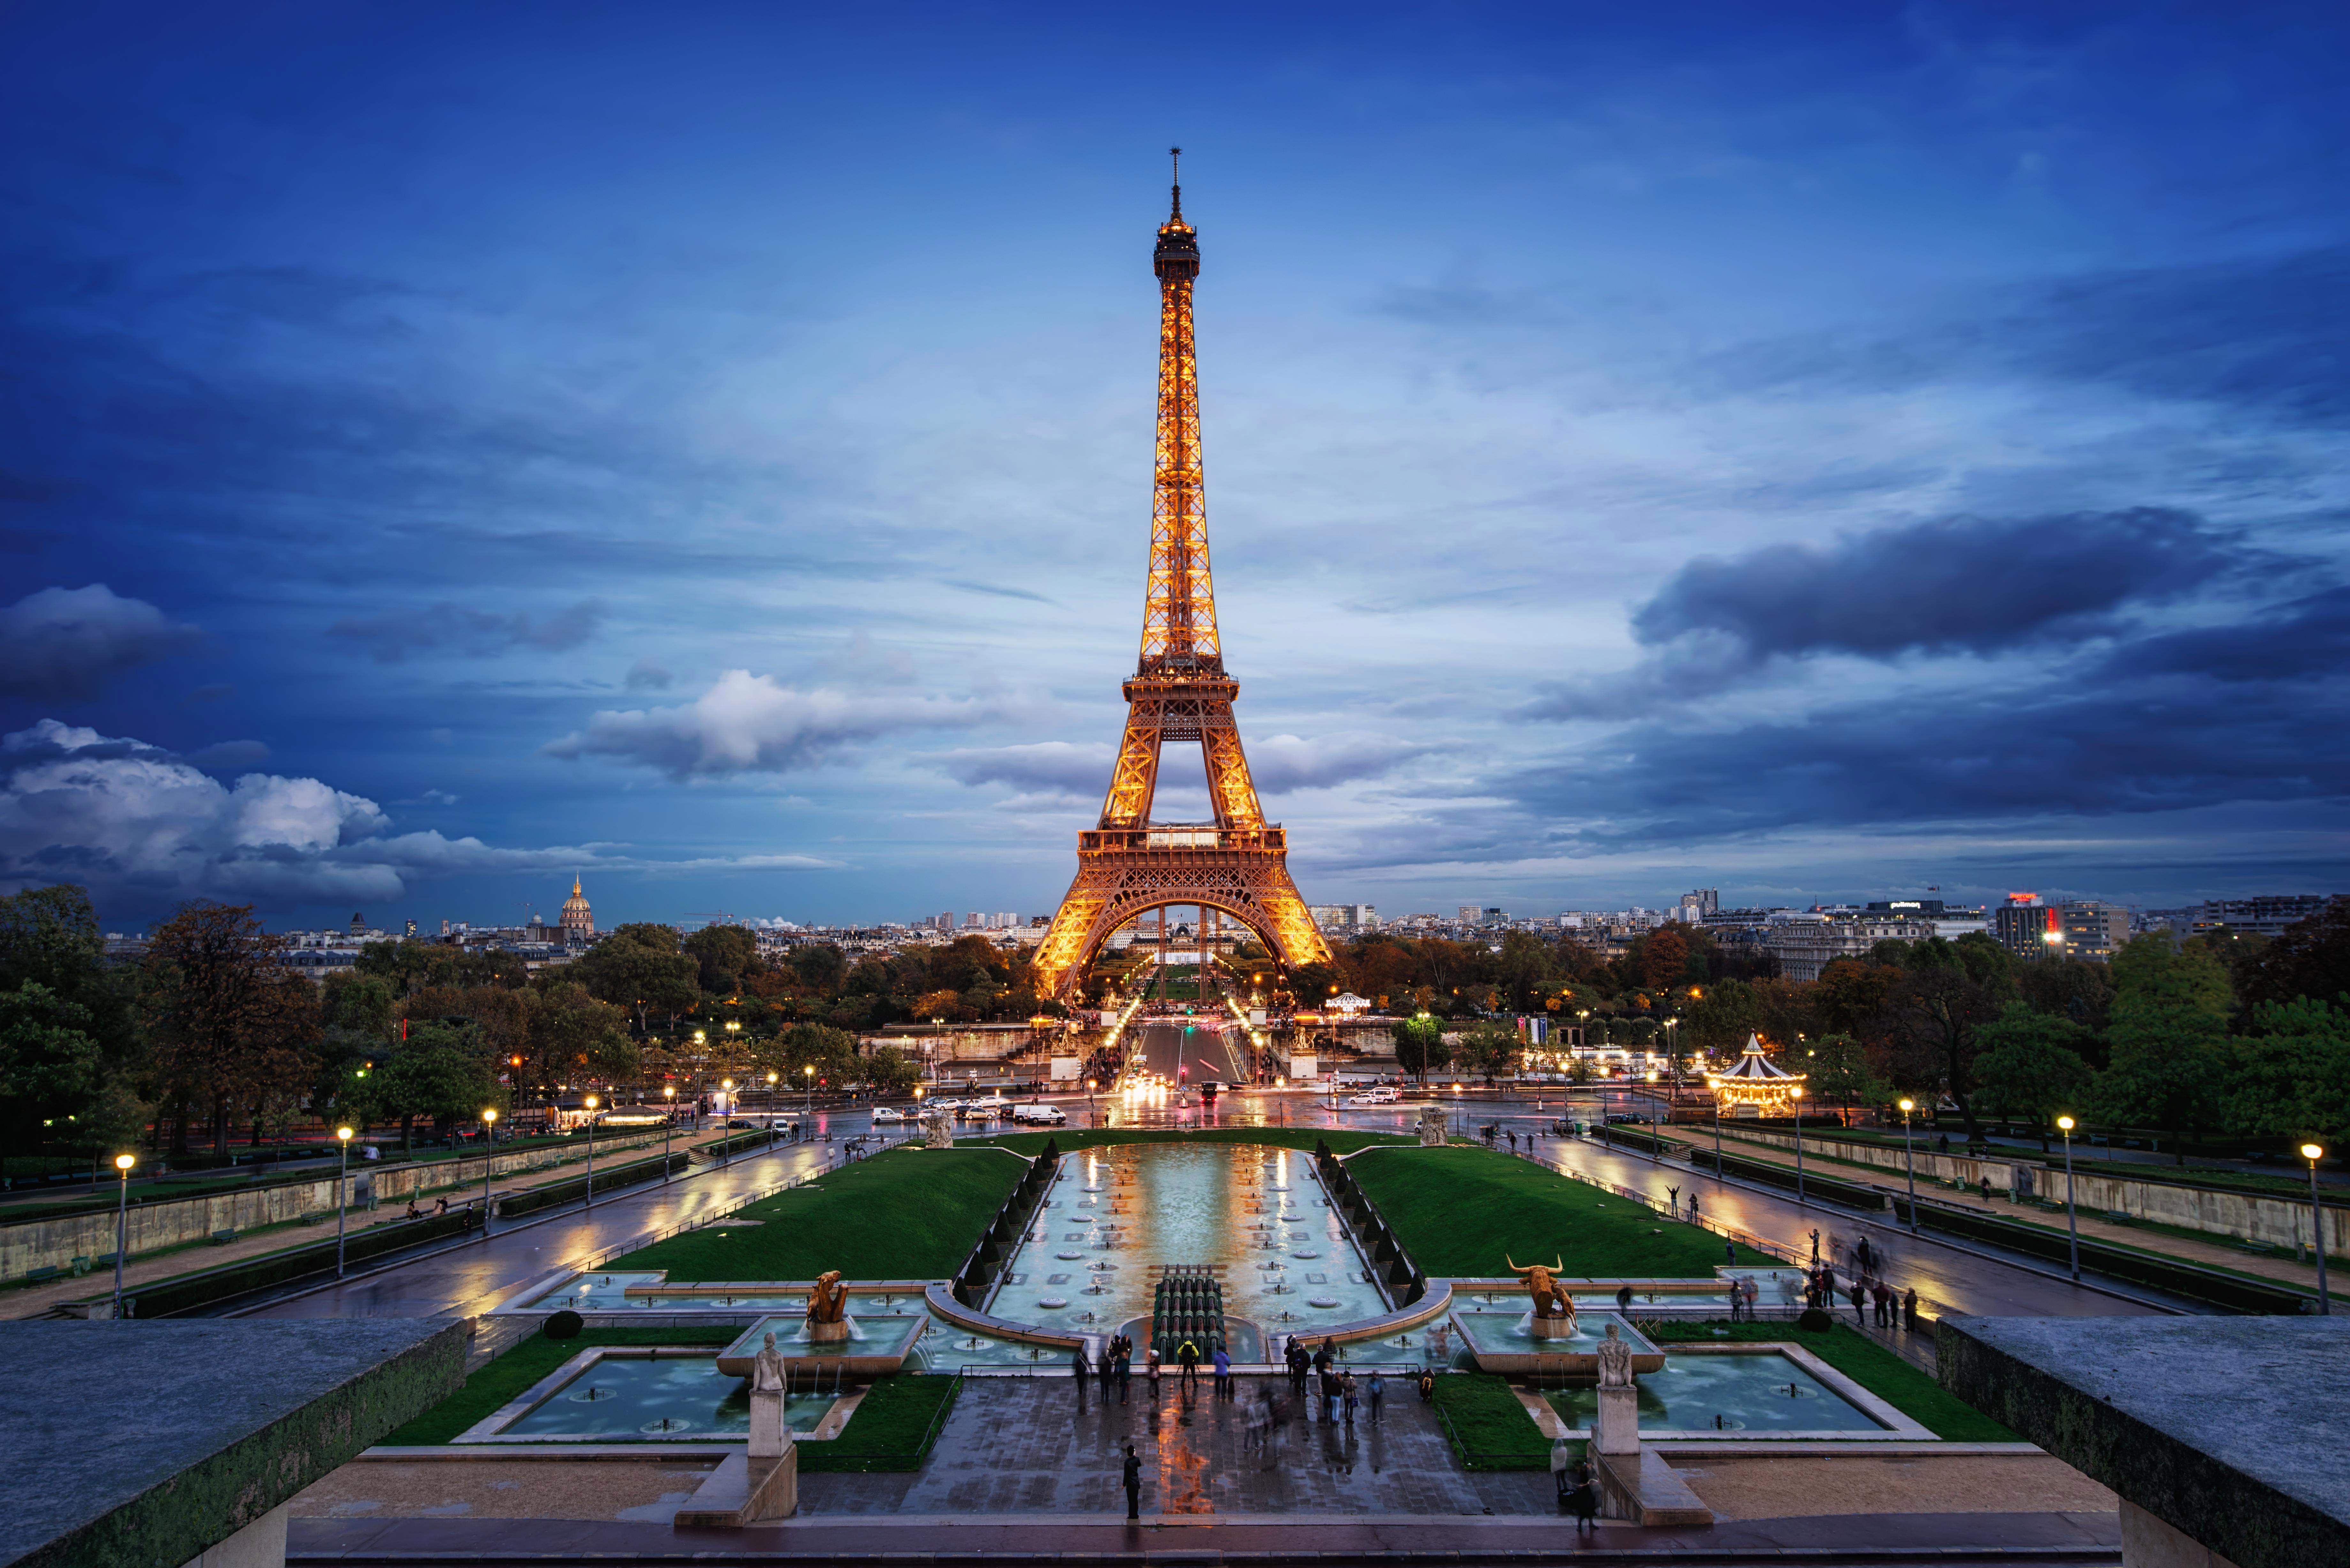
489, 1158
123, 1162
342, 1192
2071, 1225
1796, 1095
668, 1127
1909, 1158
726, 1127
2313, 1153
591, 1152
807, 1076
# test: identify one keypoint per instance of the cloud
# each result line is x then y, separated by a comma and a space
1055, 766
1280, 763
68, 642
227, 755
1284, 763
1955, 585
751, 723
476, 634
644, 675
124, 817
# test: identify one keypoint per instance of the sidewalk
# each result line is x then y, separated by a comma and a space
2214, 1254
195, 1257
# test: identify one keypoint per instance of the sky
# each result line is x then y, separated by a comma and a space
1811, 450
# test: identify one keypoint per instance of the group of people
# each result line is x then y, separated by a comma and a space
1334, 1390
1117, 1367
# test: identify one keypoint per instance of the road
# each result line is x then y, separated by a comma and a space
1202, 1047
475, 1276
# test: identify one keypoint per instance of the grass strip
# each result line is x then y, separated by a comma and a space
1465, 1213
907, 1214
512, 1374
1866, 1362
892, 1427
1490, 1428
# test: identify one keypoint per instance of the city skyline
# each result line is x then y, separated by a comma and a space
1811, 455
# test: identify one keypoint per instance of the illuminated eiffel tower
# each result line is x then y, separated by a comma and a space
1238, 862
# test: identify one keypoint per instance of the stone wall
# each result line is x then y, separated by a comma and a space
2277, 1220
167, 1222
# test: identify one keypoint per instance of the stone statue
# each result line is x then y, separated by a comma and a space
938, 1128
1432, 1122
828, 1302
1549, 1294
767, 1369
1614, 1360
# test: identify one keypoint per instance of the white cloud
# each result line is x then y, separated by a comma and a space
118, 815
752, 724
66, 642
1285, 762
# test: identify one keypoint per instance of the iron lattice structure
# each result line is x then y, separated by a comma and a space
1129, 865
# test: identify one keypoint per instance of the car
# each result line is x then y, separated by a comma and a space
887, 1115
739, 1122
1043, 1116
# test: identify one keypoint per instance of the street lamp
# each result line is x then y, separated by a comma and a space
591, 1104
2072, 1225
725, 1156
668, 1127
342, 1192
123, 1162
2313, 1153
807, 1075
489, 1157
1909, 1156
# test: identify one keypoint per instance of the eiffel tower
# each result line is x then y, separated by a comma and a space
1238, 863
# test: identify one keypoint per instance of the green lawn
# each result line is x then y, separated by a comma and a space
890, 1429
1490, 1430
1340, 1140
1463, 1212
908, 1214
511, 1374
1866, 1363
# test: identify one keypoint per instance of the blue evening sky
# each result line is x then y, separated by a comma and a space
1809, 449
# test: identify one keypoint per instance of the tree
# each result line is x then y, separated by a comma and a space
2309, 958
1420, 1044
1664, 960
1987, 960
63, 1004
831, 1052
2071, 988
819, 966
1849, 993
574, 1035
1931, 1017
891, 1072
360, 1002
2031, 1065
229, 1026
1722, 1018
725, 954
2170, 1019
932, 1005
2293, 1080
1487, 1049
642, 968
440, 1071
1839, 1072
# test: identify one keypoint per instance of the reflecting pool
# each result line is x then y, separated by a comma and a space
1256, 1214
636, 1398
1727, 1393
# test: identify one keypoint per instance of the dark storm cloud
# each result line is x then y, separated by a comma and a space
1959, 585
2305, 639
477, 634
2262, 334
68, 642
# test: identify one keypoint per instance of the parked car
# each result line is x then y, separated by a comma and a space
1041, 1115
887, 1115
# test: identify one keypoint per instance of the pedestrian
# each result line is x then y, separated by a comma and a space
1124, 1366
1427, 1387
1986, 1188
1294, 1358
1909, 1308
1329, 1397
1729, 1251
1224, 1374
1377, 1387
1558, 1472
1346, 1395
1856, 1293
1815, 1246
1881, 1297
1693, 1216
1735, 1301
1133, 1483
1150, 1366
1077, 1370
1585, 1497
1867, 1258
1673, 1201
1624, 1298
1749, 1290
1187, 1357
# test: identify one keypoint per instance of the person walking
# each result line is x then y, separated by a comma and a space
1427, 1387
1077, 1371
1749, 1290
1585, 1498
1622, 1298
1558, 1471
1910, 1309
1224, 1363
1346, 1395
1124, 1366
1133, 1483
1865, 1255
1729, 1251
1693, 1214
1377, 1387
1187, 1358
1150, 1368
1856, 1293
1329, 1397
1735, 1301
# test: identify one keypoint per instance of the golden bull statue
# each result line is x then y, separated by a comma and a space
1549, 1295
828, 1302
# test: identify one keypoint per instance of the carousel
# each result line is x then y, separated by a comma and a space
1755, 1086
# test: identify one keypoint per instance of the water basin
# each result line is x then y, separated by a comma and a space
1764, 1392
630, 1398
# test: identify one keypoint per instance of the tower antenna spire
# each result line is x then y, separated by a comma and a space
1175, 157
